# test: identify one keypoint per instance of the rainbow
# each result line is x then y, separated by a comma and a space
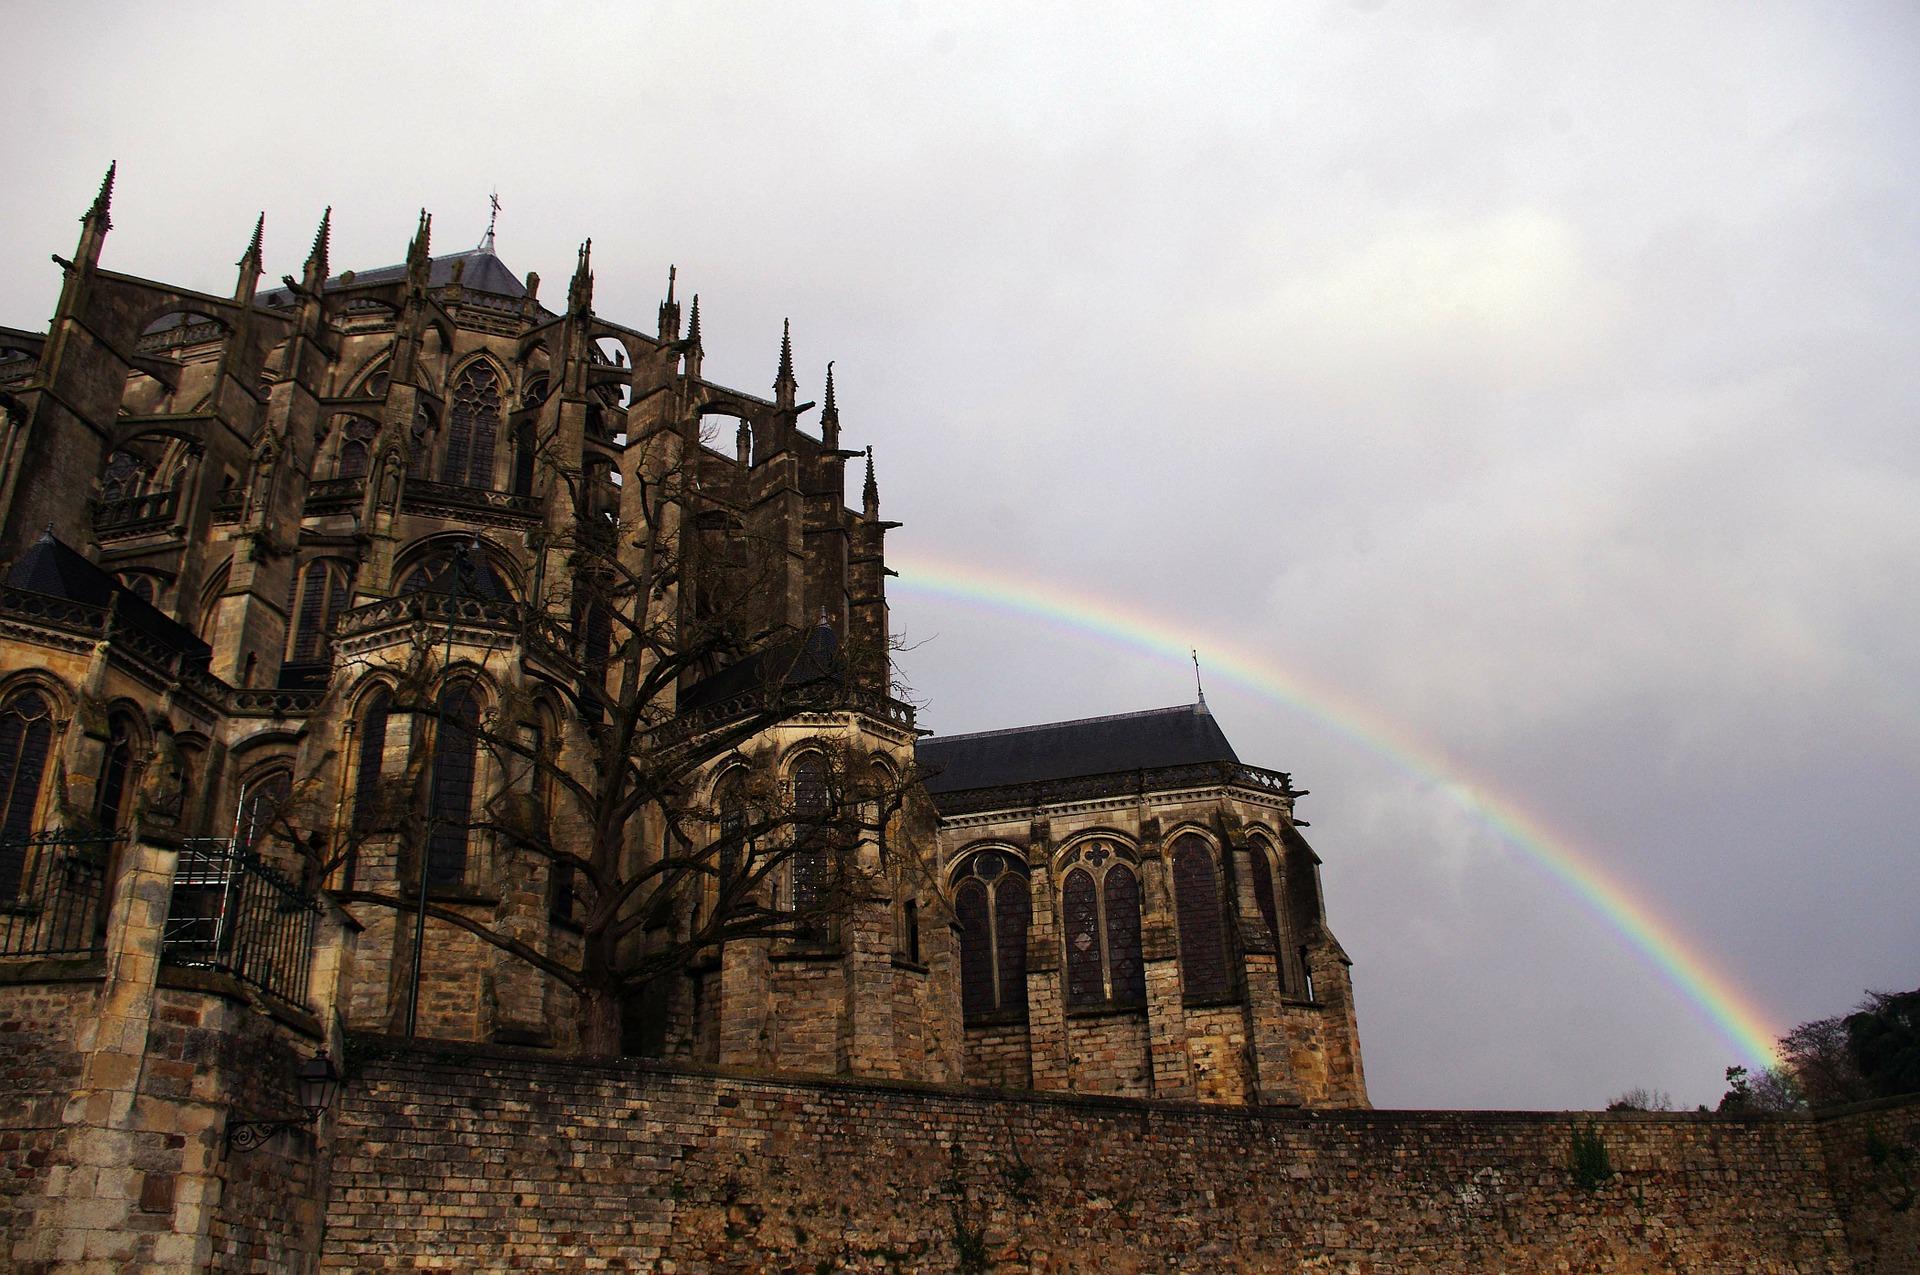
1726, 1007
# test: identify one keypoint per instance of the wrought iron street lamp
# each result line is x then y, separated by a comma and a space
316, 1082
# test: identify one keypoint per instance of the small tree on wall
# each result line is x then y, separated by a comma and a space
607, 792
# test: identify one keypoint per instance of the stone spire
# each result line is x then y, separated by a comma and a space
670, 310
249, 264
784, 385
870, 491
315, 274
830, 414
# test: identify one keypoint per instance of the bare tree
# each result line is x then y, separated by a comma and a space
654, 869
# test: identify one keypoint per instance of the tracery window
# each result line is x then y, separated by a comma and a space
1204, 971
1100, 912
455, 760
356, 447
994, 904
466, 575
125, 475
1262, 862
473, 422
323, 595
26, 738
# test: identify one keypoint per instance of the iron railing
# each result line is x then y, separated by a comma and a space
234, 913
53, 894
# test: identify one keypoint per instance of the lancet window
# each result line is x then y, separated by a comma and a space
323, 595
1263, 864
994, 905
809, 865
456, 756
116, 773
1204, 971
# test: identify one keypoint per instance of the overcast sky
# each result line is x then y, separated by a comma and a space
1542, 378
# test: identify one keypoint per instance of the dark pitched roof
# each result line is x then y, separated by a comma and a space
1068, 750
484, 273
52, 568
798, 661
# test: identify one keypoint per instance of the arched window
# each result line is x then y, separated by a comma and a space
1203, 941
525, 435
1262, 862
994, 904
455, 758
356, 447
125, 475
116, 772
808, 865
140, 585
262, 799
323, 595
26, 737
375, 386
473, 422
1100, 914
730, 857
370, 760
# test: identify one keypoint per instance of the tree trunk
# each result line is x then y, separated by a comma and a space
600, 1023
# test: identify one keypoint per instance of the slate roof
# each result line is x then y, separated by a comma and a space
1159, 737
51, 567
485, 272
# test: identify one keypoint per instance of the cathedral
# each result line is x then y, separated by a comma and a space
386, 653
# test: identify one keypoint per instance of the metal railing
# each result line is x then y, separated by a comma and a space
53, 894
234, 913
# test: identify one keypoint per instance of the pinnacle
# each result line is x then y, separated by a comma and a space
253, 246
103, 201
317, 258
786, 352
829, 408
693, 322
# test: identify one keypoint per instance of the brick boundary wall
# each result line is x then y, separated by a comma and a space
484, 1160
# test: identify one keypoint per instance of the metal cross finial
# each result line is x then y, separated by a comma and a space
1198, 690
493, 203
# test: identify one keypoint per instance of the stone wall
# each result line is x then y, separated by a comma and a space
495, 1160
38, 1062
1873, 1160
